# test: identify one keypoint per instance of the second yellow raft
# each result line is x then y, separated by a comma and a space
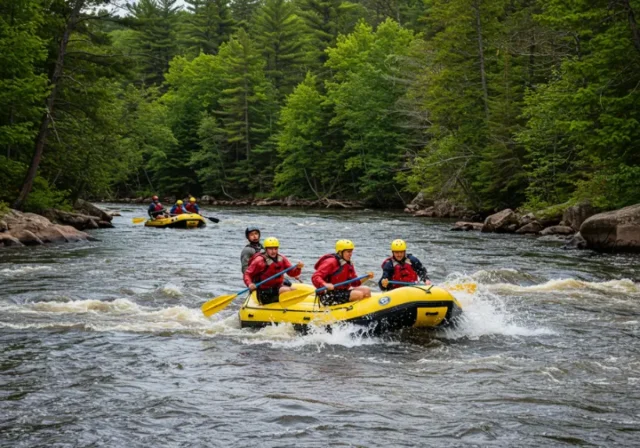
184, 221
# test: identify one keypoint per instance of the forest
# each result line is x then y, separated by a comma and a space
486, 103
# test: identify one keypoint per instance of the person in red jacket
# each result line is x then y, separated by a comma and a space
192, 207
265, 264
337, 268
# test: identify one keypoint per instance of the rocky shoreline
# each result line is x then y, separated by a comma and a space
52, 226
580, 226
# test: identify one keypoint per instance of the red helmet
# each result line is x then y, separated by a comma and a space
154, 198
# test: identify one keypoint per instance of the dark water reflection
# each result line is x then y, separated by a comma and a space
103, 344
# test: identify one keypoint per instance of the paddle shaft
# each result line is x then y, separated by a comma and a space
394, 282
270, 278
362, 277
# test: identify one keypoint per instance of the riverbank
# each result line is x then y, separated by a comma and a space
52, 226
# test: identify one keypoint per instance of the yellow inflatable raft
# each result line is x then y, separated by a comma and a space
410, 306
184, 221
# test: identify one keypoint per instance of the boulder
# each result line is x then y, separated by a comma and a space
557, 230
617, 230
550, 216
76, 220
3, 226
206, 199
576, 242
500, 221
575, 215
32, 229
446, 209
6, 240
53, 234
411, 208
27, 237
466, 226
290, 201
421, 202
429, 213
527, 219
87, 208
532, 227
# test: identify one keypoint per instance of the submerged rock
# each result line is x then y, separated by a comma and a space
557, 230
576, 242
466, 226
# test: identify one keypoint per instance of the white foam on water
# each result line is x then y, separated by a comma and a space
486, 314
569, 284
118, 306
285, 336
171, 290
8, 272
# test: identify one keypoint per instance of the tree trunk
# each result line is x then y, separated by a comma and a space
43, 133
635, 33
483, 76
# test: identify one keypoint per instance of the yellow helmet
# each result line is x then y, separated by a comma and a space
192, 199
179, 202
271, 242
344, 245
398, 246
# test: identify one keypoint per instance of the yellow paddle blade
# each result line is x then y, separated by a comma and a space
469, 288
138, 220
291, 297
217, 304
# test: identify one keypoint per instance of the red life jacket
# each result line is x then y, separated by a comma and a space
158, 207
345, 272
273, 267
191, 208
402, 271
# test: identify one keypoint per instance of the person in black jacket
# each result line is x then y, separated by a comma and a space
402, 267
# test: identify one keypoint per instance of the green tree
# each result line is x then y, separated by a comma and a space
310, 166
238, 130
207, 26
583, 128
280, 34
23, 88
156, 24
243, 10
364, 92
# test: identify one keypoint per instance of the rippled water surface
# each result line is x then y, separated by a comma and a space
104, 344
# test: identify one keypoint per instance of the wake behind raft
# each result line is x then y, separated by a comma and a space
407, 307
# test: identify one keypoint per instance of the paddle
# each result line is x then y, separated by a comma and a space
289, 297
138, 220
212, 219
467, 287
219, 303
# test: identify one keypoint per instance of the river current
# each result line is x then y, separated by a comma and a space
103, 343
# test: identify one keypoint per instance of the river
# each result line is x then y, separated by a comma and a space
104, 344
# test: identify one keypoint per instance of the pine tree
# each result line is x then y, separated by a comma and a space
325, 19
280, 35
156, 23
243, 11
242, 121
309, 166
207, 26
